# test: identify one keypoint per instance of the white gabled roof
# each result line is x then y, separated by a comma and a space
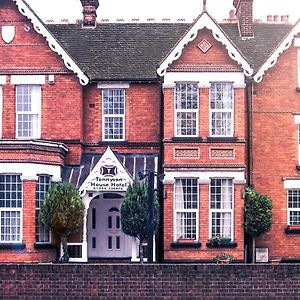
40, 28
204, 21
284, 45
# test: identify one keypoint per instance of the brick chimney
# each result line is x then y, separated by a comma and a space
244, 13
89, 12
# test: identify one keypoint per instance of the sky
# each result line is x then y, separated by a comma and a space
174, 9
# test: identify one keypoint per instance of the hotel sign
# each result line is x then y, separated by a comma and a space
108, 175
107, 179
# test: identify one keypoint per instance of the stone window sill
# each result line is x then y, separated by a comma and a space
187, 139
222, 139
292, 229
17, 246
189, 244
43, 246
222, 245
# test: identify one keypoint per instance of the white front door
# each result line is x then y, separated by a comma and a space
105, 236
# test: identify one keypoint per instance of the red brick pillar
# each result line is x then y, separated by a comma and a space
29, 187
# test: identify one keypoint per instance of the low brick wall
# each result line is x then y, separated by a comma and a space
133, 281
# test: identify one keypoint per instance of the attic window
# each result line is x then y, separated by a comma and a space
204, 45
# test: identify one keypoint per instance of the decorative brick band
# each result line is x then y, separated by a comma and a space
220, 153
186, 153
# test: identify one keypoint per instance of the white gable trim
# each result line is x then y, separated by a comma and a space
284, 45
53, 44
115, 179
204, 21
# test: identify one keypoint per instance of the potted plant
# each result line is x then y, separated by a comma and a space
215, 240
218, 240
223, 258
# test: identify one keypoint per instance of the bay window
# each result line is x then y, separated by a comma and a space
113, 108
41, 232
11, 199
221, 110
28, 111
186, 109
221, 208
186, 208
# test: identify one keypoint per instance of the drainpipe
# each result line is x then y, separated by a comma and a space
160, 171
249, 156
249, 92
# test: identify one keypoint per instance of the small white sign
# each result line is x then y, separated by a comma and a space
8, 33
262, 255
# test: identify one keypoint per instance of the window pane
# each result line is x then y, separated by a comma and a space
28, 103
9, 185
186, 206
221, 106
186, 106
41, 232
10, 228
221, 205
113, 114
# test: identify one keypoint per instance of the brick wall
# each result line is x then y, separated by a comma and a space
275, 148
141, 113
149, 281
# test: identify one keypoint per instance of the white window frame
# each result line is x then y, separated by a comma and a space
298, 63
36, 110
113, 115
13, 209
183, 210
298, 132
40, 227
216, 210
180, 110
292, 209
221, 110
1, 109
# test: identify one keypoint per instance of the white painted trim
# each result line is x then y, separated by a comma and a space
298, 64
297, 42
39, 27
33, 142
291, 183
204, 79
29, 170
297, 119
2, 79
113, 85
204, 21
1, 108
28, 79
239, 86
29, 178
271, 61
169, 86
237, 176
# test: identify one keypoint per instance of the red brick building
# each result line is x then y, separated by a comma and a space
94, 104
